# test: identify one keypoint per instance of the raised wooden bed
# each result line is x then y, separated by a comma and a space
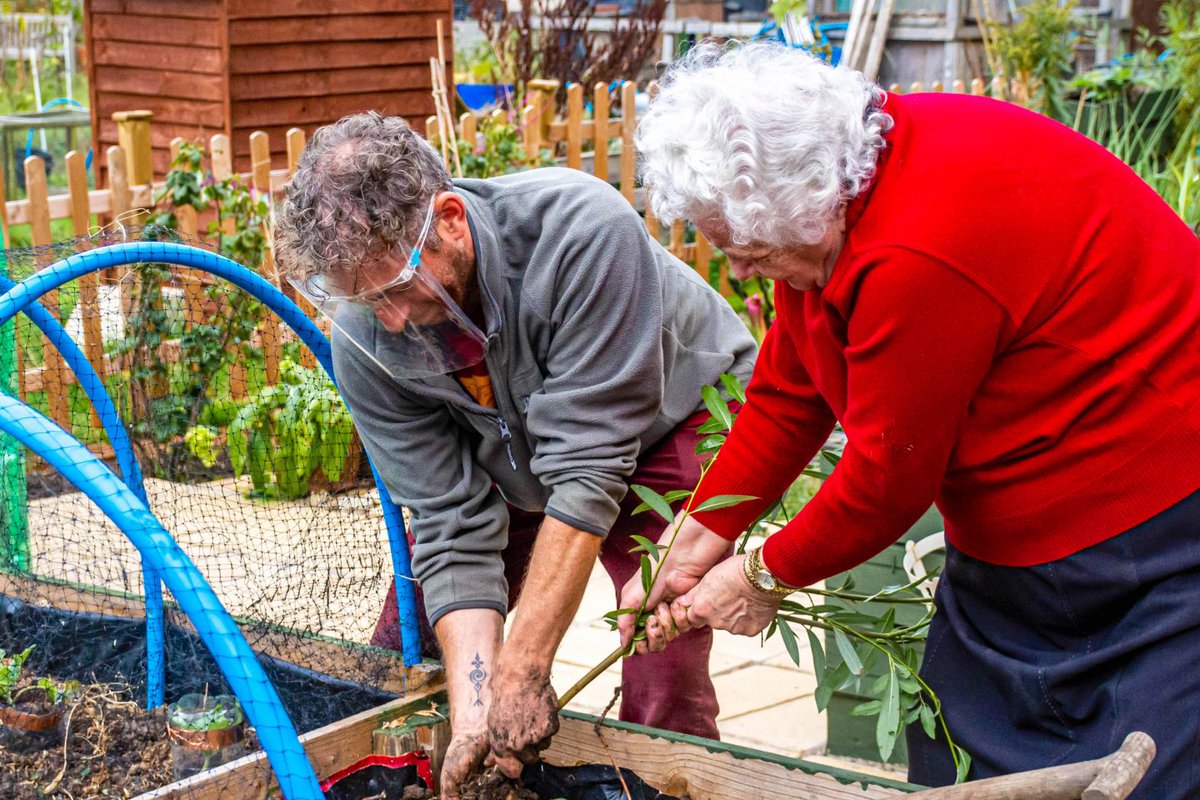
678, 765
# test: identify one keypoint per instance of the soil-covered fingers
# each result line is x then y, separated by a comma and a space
464, 758
660, 629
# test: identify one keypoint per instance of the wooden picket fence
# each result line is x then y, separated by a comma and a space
585, 144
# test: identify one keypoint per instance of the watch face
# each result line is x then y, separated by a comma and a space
766, 580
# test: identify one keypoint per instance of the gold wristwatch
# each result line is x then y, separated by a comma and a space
761, 578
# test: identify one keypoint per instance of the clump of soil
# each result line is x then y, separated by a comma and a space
489, 785
111, 746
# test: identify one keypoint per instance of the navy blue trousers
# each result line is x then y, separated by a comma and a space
1056, 663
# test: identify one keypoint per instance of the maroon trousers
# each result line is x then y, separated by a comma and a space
671, 689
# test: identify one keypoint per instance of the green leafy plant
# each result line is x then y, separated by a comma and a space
10, 673
11, 667
283, 433
499, 152
862, 635
167, 398
1181, 23
1036, 52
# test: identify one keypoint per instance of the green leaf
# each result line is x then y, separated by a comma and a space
620, 612
647, 574
789, 641
655, 501
734, 387
853, 662
647, 545
712, 426
927, 722
828, 683
722, 501
676, 495
818, 653
717, 406
830, 457
867, 709
710, 444
888, 727
964, 763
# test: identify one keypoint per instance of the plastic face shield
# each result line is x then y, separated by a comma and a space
398, 314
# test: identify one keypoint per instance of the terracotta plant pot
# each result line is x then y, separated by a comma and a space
32, 723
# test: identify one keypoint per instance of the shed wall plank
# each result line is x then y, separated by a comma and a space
204, 60
351, 28
159, 83
336, 55
323, 82
244, 9
254, 114
158, 29
188, 9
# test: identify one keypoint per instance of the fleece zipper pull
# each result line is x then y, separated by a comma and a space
506, 437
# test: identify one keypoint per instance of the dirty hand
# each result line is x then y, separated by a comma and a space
464, 758
523, 716
695, 551
725, 600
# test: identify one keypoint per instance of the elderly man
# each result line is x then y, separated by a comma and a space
515, 353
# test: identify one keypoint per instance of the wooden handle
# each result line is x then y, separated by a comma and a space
1110, 778
1122, 770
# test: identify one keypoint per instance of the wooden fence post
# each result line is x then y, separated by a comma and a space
221, 158
133, 136
540, 93
467, 129
575, 126
600, 130
118, 187
628, 126
295, 147
651, 220
260, 161
53, 365
89, 285
703, 255
193, 281
531, 132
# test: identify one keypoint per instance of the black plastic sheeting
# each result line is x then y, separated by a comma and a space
92, 648
588, 782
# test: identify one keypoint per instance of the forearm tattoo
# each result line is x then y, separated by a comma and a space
477, 676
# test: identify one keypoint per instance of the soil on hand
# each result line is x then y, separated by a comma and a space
113, 748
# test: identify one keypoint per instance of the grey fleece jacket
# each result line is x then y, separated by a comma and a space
598, 342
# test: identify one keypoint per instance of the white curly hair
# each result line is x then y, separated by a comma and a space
764, 139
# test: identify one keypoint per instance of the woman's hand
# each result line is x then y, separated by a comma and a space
725, 600
695, 551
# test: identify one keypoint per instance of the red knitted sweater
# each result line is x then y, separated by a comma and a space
1012, 331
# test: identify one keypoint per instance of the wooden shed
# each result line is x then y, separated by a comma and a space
205, 67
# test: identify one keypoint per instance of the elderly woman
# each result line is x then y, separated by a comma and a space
1006, 322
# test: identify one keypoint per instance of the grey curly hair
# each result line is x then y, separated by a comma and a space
764, 138
364, 185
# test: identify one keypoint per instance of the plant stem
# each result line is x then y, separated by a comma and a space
608, 661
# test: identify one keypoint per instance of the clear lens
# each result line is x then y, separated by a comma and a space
399, 315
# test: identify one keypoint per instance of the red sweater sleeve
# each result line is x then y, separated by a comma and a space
920, 338
783, 408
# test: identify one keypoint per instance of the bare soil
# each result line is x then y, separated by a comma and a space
111, 745
489, 785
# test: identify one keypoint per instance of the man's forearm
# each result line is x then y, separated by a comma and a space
470, 640
562, 561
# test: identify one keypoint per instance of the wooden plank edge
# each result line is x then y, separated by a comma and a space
329, 749
577, 739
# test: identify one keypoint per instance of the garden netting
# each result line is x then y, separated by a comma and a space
247, 459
